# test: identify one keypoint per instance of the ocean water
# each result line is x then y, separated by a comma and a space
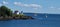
41, 20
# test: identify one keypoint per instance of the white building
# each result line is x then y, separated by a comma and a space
17, 12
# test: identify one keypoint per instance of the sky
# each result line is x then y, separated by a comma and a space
33, 6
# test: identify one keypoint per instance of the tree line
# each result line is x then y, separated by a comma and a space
5, 11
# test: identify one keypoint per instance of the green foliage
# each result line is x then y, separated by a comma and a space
5, 11
21, 14
18, 15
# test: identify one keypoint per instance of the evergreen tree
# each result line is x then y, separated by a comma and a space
5, 11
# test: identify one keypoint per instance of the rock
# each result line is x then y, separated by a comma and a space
16, 18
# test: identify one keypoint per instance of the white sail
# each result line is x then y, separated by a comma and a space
46, 16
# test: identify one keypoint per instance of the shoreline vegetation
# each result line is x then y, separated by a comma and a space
7, 14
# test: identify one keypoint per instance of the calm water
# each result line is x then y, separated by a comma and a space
52, 20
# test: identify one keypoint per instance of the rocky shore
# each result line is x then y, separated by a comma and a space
7, 14
15, 18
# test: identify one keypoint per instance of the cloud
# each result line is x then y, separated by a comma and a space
58, 8
35, 5
52, 7
18, 3
4, 2
27, 5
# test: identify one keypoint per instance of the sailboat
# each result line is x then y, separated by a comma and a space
46, 16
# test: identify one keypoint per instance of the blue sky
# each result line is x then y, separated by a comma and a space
33, 6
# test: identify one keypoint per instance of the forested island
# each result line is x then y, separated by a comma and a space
7, 14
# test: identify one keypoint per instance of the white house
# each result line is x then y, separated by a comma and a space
17, 12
